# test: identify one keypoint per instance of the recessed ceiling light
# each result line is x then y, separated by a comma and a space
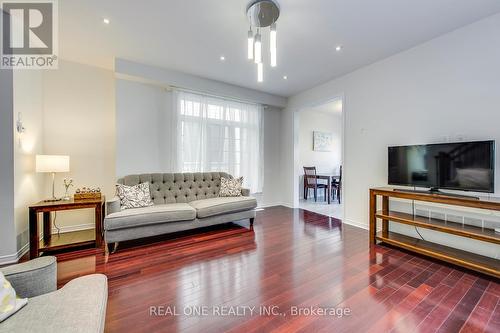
338, 48
285, 77
222, 58
106, 21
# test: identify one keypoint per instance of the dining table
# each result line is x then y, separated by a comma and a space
329, 178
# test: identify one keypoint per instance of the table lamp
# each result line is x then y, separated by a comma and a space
52, 164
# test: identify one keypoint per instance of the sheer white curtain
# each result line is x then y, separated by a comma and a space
216, 134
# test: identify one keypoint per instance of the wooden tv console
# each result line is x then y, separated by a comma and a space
486, 265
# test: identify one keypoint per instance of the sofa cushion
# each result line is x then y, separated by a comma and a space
136, 196
230, 187
222, 205
79, 306
149, 215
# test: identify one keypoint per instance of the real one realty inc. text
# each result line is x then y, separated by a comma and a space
245, 310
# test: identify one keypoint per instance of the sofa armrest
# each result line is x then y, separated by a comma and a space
113, 206
79, 306
34, 277
245, 192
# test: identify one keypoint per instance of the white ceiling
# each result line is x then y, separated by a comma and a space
191, 35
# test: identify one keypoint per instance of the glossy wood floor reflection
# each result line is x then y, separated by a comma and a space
291, 258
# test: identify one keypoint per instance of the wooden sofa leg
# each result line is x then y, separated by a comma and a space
108, 248
115, 247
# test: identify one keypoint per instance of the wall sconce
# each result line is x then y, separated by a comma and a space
19, 124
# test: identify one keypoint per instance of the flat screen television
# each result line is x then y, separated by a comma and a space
465, 166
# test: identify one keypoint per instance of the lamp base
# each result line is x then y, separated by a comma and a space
53, 199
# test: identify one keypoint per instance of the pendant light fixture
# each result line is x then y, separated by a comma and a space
262, 14
250, 44
260, 72
258, 48
272, 44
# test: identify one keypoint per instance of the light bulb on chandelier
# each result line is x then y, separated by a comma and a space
258, 48
272, 44
250, 44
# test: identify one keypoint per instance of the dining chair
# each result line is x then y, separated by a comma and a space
311, 181
337, 186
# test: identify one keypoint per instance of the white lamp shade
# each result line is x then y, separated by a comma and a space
52, 163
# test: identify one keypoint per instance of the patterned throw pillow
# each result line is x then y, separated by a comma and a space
230, 187
134, 196
9, 303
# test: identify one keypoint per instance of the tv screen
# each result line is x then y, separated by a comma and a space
466, 166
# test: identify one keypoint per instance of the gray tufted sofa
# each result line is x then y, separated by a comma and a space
182, 201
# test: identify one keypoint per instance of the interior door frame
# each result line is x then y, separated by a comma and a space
297, 167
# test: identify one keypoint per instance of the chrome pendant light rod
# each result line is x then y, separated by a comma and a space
250, 44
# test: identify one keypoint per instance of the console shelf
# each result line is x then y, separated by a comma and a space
464, 230
462, 258
465, 259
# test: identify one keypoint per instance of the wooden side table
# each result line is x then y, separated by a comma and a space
68, 239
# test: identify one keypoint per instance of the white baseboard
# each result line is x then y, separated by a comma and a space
70, 228
284, 204
14, 258
273, 205
359, 225
355, 224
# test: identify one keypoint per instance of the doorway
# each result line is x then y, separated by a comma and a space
319, 149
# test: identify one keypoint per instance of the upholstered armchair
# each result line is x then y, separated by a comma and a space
79, 306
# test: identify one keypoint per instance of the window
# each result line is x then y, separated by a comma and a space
216, 134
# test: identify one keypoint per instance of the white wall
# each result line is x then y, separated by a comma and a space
324, 161
443, 90
168, 77
20, 186
271, 191
289, 141
79, 121
28, 184
7, 226
142, 127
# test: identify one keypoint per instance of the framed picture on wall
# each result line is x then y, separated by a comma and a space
322, 141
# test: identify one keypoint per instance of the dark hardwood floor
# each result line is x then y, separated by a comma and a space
292, 258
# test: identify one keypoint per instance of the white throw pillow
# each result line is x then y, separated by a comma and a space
230, 187
9, 303
134, 196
